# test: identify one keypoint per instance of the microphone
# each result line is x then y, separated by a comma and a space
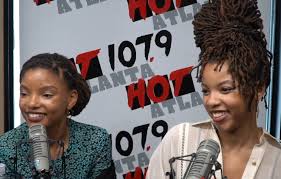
40, 146
206, 156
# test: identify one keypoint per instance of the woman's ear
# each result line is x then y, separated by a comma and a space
72, 100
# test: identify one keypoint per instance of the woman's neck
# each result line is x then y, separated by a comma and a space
58, 133
241, 138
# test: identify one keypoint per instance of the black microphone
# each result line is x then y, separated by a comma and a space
40, 146
206, 156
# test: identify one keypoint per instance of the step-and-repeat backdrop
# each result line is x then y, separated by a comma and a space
136, 55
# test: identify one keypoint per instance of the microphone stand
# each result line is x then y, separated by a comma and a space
172, 174
35, 174
63, 166
9, 173
42, 174
47, 174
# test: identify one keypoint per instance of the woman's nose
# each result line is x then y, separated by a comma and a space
213, 99
33, 101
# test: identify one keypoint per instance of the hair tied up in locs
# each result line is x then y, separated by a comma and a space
64, 67
231, 30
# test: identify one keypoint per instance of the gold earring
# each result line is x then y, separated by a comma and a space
69, 112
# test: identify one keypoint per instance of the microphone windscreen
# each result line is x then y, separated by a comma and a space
206, 155
40, 146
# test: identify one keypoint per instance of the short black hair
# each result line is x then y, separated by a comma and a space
60, 64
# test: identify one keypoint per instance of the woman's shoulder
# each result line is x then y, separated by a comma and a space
182, 127
12, 138
17, 134
179, 127
89, 133
83, 127
178, 130
273, 142
183, 131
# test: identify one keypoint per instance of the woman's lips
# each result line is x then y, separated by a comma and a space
218, 117
35, 117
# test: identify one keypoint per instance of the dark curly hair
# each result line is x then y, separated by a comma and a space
231, 30
59, 64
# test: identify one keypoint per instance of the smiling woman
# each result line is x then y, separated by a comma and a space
234, 71
51, 91
45, 98
223, 101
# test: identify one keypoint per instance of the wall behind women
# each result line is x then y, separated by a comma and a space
1, 67
100, 30
265, 8
267, 14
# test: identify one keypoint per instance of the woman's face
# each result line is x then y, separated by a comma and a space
222, 99
45, 98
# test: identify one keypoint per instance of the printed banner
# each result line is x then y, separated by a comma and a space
137, 56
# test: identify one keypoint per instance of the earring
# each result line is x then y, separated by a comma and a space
258, 110
70, 112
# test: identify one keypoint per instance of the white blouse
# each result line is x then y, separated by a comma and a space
183, 139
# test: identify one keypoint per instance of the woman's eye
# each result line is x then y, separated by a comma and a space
22, 94
227, 90
205, 92
47, 95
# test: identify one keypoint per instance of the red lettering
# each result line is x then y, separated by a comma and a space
37, 2
140, 9
158, 88
137, 174
84, 59
165, 88
178, 3
182, 3
139, 93
178, 77
137, 4
156, 9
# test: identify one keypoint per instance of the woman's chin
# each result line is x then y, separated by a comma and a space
225, 128
35, 122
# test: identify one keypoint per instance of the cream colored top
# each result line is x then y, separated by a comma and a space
183, 139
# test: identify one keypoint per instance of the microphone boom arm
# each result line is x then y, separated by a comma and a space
172, 174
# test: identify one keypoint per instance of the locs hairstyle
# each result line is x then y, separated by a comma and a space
231, 30
60, 65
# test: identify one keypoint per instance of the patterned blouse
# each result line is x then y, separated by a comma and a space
88, 154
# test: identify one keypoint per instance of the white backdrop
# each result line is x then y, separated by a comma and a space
163, 44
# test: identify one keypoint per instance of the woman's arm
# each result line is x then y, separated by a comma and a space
108, 173
168, 148
104, 166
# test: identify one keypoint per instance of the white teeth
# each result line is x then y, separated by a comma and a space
34, 115
37, 116
218, 114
